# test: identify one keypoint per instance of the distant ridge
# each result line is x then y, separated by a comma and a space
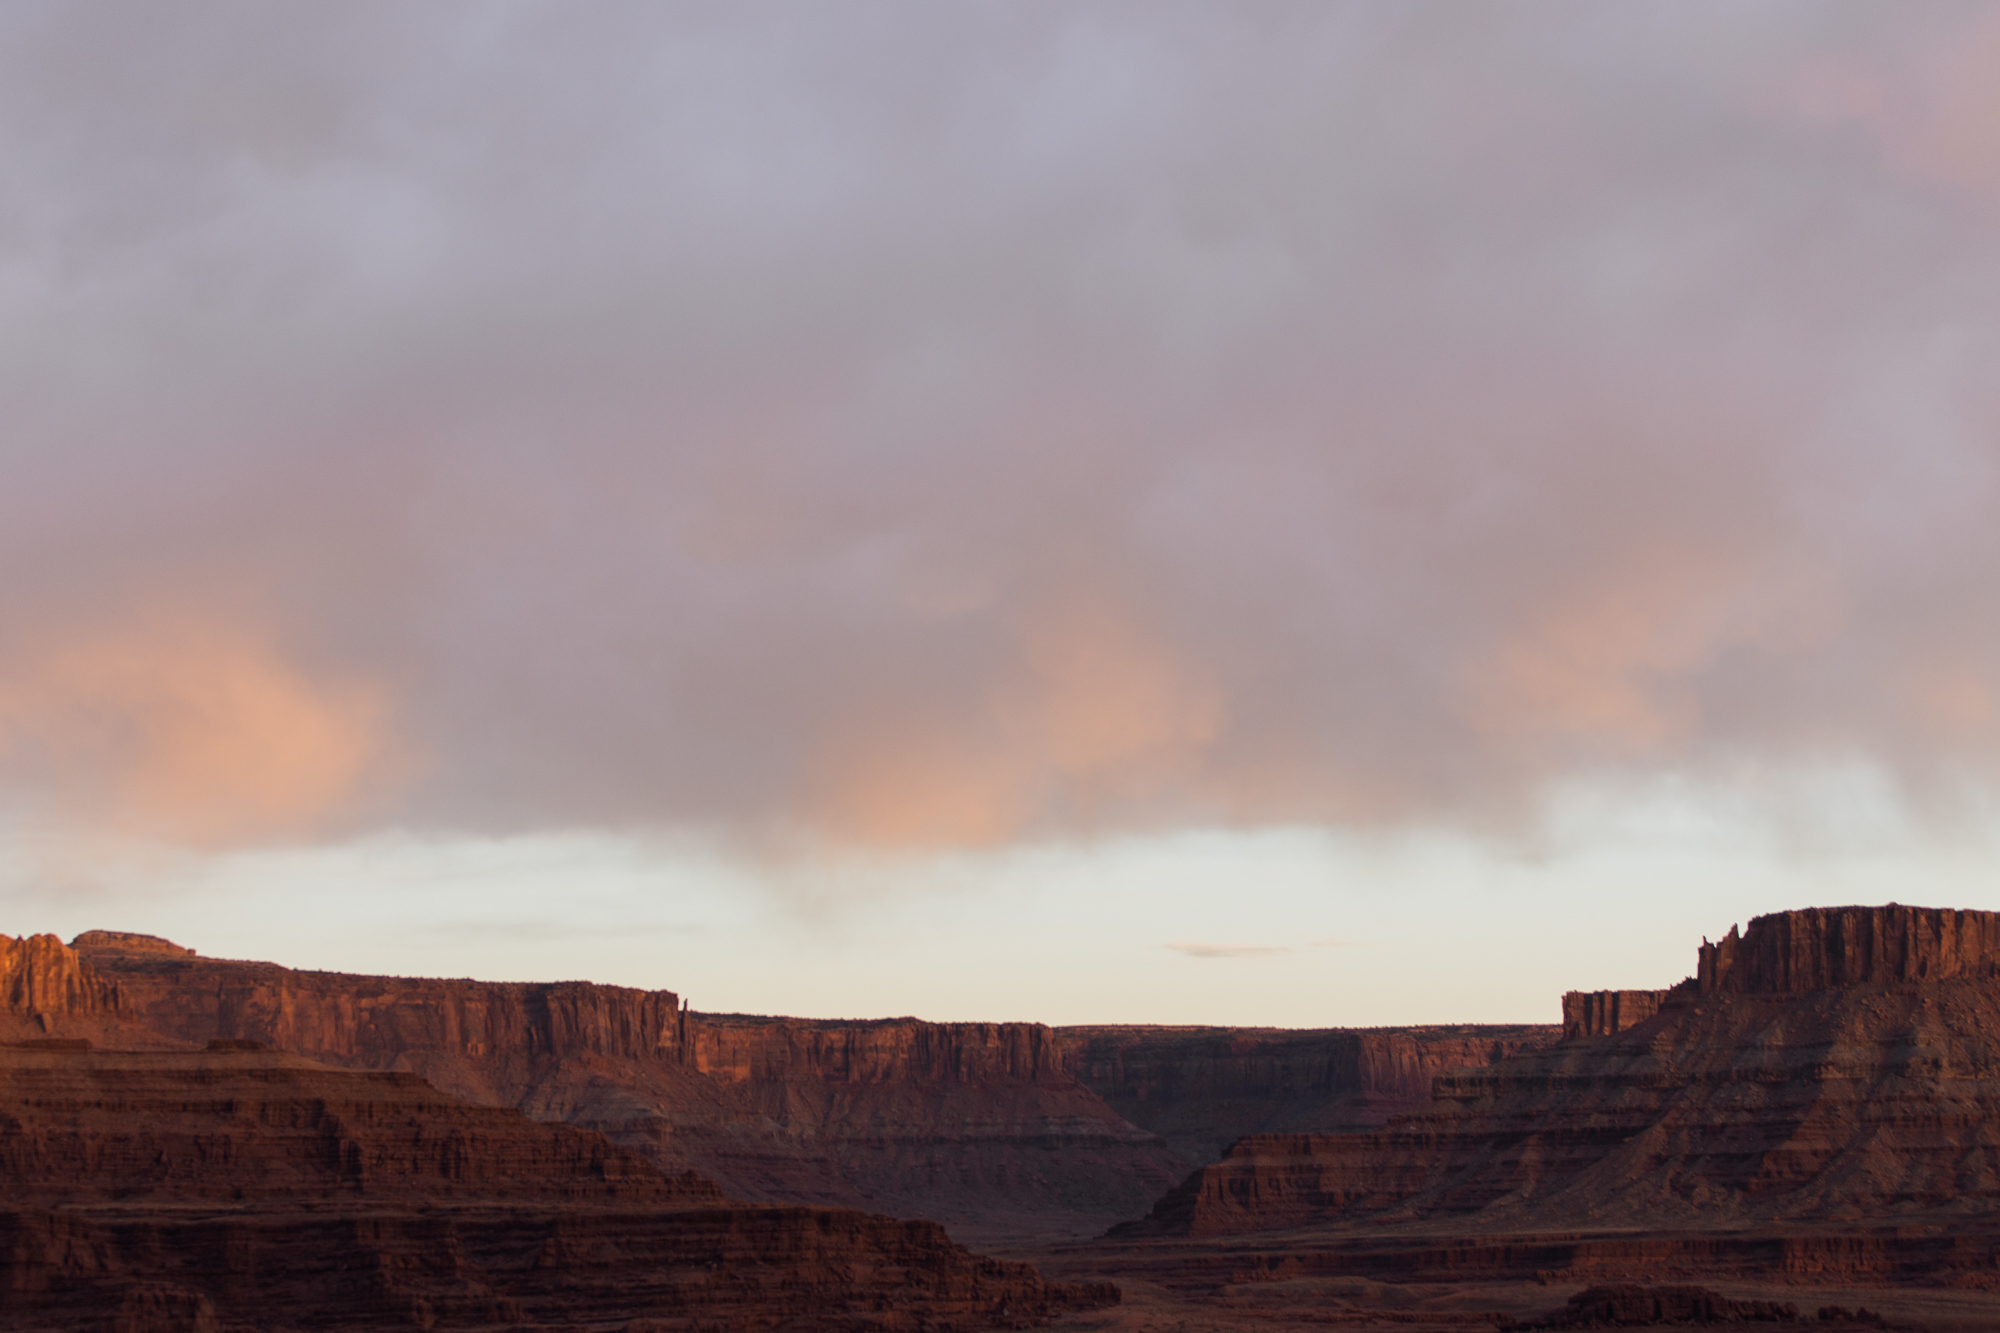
1828, 1068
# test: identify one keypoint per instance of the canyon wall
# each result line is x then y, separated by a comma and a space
233, 1189
46, 990
1006, 1131
1599, 1013
242, 1124
974, 1124
1870, 1104
742, 1048
1821, 947
1202, 1088
492, 1042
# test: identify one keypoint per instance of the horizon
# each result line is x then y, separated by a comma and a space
1315, 515
1743, 928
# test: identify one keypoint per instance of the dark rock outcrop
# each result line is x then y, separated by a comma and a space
250, 1189
976, 1124
1625, 1305
1202, 1088
237, 1124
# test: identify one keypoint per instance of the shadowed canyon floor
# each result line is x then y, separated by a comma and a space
1812, 1120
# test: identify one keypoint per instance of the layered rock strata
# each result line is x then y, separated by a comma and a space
1599, 1013
1745, 1105
1818, 948
1007, 1131
241, 1189
1202, 1088
978, 1125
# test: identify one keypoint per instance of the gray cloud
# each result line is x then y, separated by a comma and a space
947, 425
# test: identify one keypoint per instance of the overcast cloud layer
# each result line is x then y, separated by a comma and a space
922, 425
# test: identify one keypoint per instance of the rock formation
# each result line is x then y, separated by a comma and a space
1625, 1305
1003, 1130
978, 1125
45, 989
1202, 1088
1599, 1013
238, 1189
125, 941
1818, 948
1828, 1084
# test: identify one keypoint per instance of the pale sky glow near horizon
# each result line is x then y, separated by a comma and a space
1290, 513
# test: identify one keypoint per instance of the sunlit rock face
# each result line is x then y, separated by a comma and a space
46, 990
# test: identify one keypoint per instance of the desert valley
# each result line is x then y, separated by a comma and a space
1808, 1127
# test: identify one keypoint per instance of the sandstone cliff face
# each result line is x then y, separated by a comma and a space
975, 1124
1005, 1131
77, 1126
45, 990
489, 1041
241, 1189
1204, 1088
978, 1125
736, 1048
1821, 947
1599, 1013
1871, 1104
125, 941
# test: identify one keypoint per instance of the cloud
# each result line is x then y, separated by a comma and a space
1926, 99
531, 931
1255, 950
1228, 950
959, 426
192, 733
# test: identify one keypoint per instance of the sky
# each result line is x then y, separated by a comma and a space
1292, 513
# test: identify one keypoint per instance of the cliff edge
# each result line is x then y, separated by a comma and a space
1827, 1068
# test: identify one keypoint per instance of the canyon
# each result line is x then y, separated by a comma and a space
237, 1188
1825, 1067
1810, 1121
1819, 1104
1007, 1132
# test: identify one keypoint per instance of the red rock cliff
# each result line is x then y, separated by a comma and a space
737, 1048
1821, 947
47, 990
1776, 1097
492, 1042
149, 1192
975, 1124
241, 1124
1599, 1013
